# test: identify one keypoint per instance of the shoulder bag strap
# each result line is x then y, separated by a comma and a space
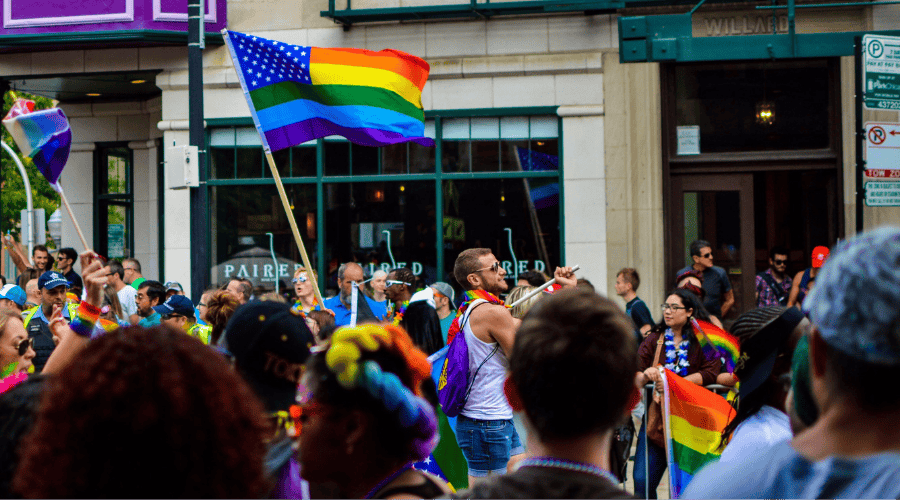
486, 359
776, 288
659, 346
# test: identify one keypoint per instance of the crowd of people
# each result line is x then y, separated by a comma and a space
118, 385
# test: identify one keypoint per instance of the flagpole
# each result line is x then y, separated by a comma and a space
294, 229
62, 195
540, 289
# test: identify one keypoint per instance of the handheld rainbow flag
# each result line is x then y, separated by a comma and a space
716, 342
44, 136
694, 419
299, 93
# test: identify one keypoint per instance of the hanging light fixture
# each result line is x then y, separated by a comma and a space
765, 109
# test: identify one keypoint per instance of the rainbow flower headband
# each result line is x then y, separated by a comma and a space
343, 359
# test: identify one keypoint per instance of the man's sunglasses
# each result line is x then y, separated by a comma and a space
780, 262
391, 283
300, 279
707, 255
24, 345
493, 267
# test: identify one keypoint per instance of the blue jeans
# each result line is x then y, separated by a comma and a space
487, 444
656, 462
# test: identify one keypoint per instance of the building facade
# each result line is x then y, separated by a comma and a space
551, 146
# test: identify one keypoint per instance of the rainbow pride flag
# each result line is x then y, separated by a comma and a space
716, 342
297, 93
44, 136
694, 419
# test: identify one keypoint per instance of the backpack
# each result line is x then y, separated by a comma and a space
780, 296
454, 385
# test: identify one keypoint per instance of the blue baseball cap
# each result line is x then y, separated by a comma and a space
13, 293
51, 280
176, 304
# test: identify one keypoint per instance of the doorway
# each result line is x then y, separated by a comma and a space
718, 209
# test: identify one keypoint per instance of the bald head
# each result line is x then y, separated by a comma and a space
348, 274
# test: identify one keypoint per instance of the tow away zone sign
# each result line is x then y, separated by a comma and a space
883, 194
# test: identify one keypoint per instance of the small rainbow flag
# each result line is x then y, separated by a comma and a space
694, 419
298, 93
44, 136
716, 342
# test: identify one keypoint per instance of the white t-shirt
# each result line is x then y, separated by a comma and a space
758, 432
127, 300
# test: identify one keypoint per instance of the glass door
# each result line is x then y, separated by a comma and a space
718, 209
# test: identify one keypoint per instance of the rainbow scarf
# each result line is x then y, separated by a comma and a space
716, 343
694, 419
470, 295
401, 310
297, 94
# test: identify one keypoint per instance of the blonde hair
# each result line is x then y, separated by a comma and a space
307, 271
516, 294
5, 314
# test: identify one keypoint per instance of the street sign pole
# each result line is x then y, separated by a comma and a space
858, 55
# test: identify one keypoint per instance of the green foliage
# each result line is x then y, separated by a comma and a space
12, 188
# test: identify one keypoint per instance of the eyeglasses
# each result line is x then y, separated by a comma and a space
673, 307
300, 279
707, 255
493, 267
780, 262
24, 345
390, 283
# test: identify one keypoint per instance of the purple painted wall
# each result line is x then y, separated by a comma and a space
30, 17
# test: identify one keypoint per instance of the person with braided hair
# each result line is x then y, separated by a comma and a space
368, 414
768, 337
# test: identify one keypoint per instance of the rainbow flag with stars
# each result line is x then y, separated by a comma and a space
298, 93
694, 418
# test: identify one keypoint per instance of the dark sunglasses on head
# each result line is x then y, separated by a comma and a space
24, 345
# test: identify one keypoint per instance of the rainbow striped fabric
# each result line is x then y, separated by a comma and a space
299, 93
44, 136
716, 342
694, 419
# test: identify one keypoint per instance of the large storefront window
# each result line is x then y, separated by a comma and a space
499, 183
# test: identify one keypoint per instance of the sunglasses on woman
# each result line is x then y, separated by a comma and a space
300, 279
24, 345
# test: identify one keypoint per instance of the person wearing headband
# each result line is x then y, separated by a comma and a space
367, 415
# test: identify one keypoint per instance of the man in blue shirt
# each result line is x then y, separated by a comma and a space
340, 305
719, 295
627, 283
150, 294
852, 450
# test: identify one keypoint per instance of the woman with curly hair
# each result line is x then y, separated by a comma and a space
364, 420
219, 308
145, 413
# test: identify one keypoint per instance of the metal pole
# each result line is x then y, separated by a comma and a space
274, 260
860, 132
198, 196
29, 203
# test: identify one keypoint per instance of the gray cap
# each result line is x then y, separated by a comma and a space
854, 301
446, 290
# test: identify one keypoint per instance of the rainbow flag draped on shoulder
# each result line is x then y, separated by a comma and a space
298, 93
694, 418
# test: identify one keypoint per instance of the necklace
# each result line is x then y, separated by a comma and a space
386, 481
401, 310
559, 463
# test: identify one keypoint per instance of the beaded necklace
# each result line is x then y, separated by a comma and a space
401, 309
559, 463
470, 296
676, 358
386, 481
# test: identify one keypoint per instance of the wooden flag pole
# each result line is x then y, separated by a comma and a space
72, 215
540, 289
294, 229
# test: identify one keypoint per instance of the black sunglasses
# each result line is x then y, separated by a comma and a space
24, 345
779, 262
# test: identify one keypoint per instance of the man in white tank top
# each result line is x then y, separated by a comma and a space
484, 428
